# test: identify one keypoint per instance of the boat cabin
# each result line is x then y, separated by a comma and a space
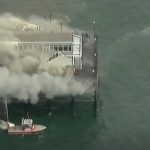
27, 123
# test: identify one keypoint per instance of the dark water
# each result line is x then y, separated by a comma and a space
123, 121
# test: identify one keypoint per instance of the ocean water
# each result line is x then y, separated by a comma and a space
123, 120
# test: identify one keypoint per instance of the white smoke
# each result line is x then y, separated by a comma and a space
24, 77
10, 22
10, 58
27, 87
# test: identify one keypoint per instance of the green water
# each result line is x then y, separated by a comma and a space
123, 120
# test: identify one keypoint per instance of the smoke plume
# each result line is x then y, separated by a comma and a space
25, 87
24, 77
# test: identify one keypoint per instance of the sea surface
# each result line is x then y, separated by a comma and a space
123, 121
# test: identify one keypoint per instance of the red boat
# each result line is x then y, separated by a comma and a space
27, 127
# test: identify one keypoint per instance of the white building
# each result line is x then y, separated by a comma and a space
47, 46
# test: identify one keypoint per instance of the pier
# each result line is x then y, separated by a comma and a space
80, 52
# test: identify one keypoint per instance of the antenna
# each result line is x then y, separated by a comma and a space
7, 118
45, 24
28, 115
45, 18
61, 26
50, 19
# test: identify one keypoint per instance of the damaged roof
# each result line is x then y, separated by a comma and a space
44, 36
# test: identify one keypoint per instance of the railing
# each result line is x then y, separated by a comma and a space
55, 56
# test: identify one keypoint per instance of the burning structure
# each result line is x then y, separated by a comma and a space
70, 59
51, 47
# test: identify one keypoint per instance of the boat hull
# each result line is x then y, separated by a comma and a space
19, 130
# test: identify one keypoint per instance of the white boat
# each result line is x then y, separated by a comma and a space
4, 125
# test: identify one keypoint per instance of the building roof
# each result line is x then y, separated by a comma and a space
39, 36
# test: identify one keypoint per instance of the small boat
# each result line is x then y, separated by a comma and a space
4, 124
27, 127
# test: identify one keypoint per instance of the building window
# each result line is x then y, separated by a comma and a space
35, 47
30, 46
45, 47
40, 47
55, 47
65, 47
60, 48
51, 47
25, 46
70, 48
20, 47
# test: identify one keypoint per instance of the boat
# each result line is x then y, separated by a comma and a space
9, 124
5, 124
27, 125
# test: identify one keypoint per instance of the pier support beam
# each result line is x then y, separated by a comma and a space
49, 107
72, 103
95, 104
